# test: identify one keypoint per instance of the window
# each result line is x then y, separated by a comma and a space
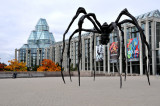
150, 32
134, 32
106, 58
97, 40
76, 53
158, 57
87, 54
115, 37
60, 49
158, 61
110, 37
128, 33
48, 53
71, 52
23, 55
101, 65
143, 26
157, 34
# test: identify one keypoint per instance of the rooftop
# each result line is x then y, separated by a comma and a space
154, 13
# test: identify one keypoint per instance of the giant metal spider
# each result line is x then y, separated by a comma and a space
105, 30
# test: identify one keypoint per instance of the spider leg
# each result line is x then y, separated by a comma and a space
134, 21
62, 72
68, 52
98, 31
123, 52
80, 22
70, 38
143, 38
80, 10
115, 27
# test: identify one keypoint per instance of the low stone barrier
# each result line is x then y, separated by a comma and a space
21, 74
6, 75
98, 74
82, 73
31, 74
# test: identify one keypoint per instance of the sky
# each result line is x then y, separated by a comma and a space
19, 17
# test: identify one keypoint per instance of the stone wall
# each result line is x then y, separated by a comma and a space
31, 74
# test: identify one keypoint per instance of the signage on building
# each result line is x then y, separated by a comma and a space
133, 49
99, 53
113, 52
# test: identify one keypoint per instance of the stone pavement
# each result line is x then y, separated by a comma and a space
105, 91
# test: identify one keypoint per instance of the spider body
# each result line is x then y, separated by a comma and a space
105, 34
105, 30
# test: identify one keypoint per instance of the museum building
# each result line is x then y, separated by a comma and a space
34, 51
106, 61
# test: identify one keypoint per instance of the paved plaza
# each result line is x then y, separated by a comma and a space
105, 91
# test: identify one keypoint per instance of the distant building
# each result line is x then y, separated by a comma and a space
34, 51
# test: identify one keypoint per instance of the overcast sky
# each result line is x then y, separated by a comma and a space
19, 17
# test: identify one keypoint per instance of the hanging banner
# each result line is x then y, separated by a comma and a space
133, 49
99, 53
113, 52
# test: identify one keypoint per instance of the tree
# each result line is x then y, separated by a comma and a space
2, 65
16, 66
33, 68
48, 65
73, 68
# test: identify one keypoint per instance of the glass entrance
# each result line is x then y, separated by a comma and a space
135, 67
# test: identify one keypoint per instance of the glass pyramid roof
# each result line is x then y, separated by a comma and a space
42, 25
42, 22
25, 46
32, 35
40, 37
44, 35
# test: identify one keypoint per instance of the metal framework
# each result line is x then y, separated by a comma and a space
105, 31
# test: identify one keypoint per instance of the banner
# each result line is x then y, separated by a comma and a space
113, 52
99, 53
133, 49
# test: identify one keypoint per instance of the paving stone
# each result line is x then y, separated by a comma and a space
104, 91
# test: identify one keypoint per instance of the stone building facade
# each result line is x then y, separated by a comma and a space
150, 23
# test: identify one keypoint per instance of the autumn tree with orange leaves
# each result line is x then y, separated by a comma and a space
2, 65
15, 66
48, 65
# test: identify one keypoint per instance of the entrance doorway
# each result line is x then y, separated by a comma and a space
135, 67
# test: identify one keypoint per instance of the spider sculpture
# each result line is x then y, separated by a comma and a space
105, 30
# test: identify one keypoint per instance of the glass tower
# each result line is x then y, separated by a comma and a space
33, 52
